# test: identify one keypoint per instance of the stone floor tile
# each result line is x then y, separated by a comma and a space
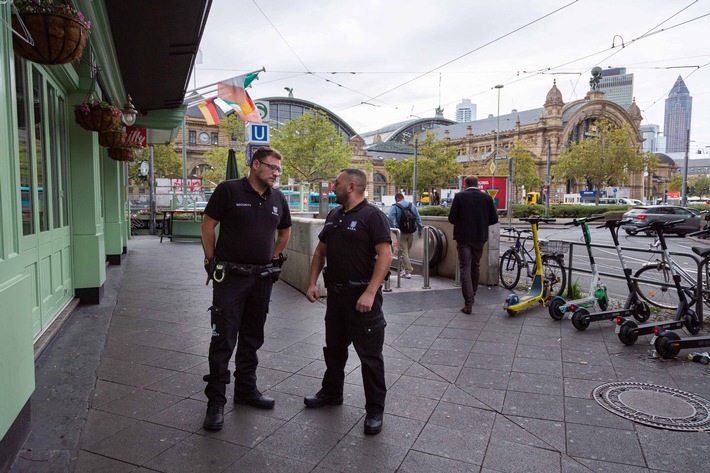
340, 419
140, 404
106, 391
177, 361
483, 378
488, 361
362, 454
197, 454
477, 422
300, 442
493, 398
396, 430
535, 383
674, 451
258, 461
537, 366
510, 457
180, 384
138, 443
541, 352
601, 467
131, 374
100, 425
551, 432
589, 412
451, 443
246, 426
419, 462
88, 462
187, 415
493, 348
411, 407
605, 444
419, 387
537, 406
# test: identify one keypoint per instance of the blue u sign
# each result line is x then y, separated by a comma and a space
259, 132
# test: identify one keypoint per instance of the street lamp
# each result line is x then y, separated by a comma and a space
414, 174
495, 152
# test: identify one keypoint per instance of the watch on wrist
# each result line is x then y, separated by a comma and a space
208, 261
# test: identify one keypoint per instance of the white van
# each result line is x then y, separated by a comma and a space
619, 201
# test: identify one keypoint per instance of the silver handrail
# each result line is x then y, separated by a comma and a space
396, 243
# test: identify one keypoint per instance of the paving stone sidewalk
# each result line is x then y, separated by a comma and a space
120, 388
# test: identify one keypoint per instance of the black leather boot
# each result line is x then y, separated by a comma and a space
214, 419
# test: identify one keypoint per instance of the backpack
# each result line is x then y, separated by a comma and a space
407, 219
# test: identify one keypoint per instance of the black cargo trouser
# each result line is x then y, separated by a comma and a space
239, 307
366, 331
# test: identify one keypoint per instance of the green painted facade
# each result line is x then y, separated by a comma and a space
62, 199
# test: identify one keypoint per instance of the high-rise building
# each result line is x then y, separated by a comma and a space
618, 86
679, 107
465, 111
651, 139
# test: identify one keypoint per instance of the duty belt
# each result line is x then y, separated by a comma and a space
224, 267
350, 284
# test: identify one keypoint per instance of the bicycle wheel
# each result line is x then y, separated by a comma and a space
656, 293
555, 274
510, 267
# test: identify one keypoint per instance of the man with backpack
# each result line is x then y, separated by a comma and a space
405, 216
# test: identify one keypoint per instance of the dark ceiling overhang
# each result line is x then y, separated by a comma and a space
156, 43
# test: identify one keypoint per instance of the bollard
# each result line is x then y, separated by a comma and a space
395, 243
387, 287
425, 263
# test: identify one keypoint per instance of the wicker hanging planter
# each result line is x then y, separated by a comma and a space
98, 119
122, 153
112, 138
57, 39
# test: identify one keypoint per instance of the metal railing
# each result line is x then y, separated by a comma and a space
700, 281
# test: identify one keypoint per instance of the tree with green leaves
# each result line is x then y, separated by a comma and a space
166, 163
676, 183
436, 166
702, 185
312, 148
605, 159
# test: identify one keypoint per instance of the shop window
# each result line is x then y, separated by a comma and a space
26, 184
40, 150
64, 159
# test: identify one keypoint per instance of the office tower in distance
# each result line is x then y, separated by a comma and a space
465, 111
618, 86
679, 107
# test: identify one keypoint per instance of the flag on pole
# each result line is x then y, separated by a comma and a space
209, 112
233, 93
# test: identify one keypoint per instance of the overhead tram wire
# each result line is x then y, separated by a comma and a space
550, 69
477, 49
308, 71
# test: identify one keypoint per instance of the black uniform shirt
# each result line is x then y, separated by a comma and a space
247, 221
351, 238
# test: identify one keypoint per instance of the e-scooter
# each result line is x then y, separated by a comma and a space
669, 344
558, 306
628, 331
540, 289
581, 318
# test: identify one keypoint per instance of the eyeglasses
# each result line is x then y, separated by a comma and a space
273, 167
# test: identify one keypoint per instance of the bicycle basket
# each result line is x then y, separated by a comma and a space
554, 247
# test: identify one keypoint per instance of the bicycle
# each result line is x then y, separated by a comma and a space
518, 256
654, 280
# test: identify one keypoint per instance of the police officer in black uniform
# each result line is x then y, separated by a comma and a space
243, 264
356, 243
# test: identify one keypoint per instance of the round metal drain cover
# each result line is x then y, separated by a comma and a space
657, 406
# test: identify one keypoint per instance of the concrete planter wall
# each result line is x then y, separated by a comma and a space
304, 239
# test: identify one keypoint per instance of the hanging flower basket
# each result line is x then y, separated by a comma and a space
121, 153
97, 115
113, 138
57, 30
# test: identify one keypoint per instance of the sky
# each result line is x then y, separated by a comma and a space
378, 62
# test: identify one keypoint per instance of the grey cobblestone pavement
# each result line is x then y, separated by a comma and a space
120, 387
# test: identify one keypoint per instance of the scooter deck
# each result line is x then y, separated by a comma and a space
535, 294
646, 329
607, 314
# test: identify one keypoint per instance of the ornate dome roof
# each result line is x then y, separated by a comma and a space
634, 109
554, 96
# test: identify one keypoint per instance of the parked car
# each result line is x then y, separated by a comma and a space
643, 215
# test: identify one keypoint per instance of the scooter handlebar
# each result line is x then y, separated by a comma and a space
615, 223
577, 222
660, 225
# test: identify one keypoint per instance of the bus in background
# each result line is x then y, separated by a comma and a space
532, 198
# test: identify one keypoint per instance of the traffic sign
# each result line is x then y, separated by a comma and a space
257, 132
493, 167
251, 147
492, 191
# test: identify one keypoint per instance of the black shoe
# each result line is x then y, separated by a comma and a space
214, 419
373, 424
256, 399
319, 400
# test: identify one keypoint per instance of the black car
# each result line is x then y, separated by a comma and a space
641, 216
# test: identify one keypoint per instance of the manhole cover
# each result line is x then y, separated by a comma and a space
657, 406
